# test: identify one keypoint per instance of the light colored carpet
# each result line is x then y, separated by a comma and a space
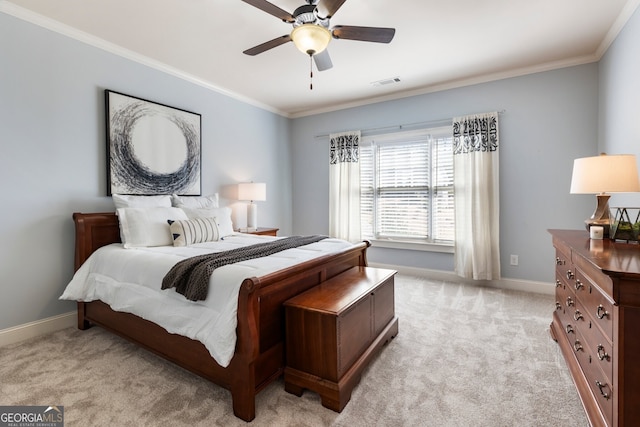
465, 356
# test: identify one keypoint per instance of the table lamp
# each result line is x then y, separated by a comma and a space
252, 191
601, 175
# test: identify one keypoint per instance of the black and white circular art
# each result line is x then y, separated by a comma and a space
153, 149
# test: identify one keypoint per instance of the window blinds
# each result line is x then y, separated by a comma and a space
407, 187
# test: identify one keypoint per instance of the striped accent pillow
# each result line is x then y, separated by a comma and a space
190, 231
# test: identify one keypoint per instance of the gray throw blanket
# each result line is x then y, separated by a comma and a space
191, 276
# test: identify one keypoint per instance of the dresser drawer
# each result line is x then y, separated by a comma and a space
601, 351
563, 294
564, 267
563, 255
577, 314
599, 384
570, 330
566, 273
595, 303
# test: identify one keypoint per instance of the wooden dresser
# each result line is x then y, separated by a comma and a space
334, 330
596, 322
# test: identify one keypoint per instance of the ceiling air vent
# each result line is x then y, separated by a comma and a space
385, 82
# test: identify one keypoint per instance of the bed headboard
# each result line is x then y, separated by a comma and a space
94, 230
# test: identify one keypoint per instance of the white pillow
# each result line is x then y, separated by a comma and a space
127, 201
142, 227
190, 231
195, 202
222, 216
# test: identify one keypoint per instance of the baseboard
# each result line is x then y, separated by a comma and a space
450, 276
39, 327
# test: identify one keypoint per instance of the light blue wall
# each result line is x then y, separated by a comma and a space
53, 158
550, 118
53, 152
619, 127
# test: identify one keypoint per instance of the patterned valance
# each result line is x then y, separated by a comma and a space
345, 147
477, 133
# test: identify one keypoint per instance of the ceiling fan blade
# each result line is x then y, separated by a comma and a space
268, 45
271, 9
323, 60
332, 6
366, 34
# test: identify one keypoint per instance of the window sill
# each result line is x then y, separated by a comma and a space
414, 246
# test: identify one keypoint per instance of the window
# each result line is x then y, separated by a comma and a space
406, 183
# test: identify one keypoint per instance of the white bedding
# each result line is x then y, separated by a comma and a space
129, 280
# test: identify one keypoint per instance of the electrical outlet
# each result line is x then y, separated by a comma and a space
514, 259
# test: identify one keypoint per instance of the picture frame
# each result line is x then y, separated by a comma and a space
152, 148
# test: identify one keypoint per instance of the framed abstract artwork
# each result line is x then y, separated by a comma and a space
151, 148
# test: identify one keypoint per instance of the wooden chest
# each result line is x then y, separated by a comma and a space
333, 331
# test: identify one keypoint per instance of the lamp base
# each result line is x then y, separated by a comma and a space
252, 216
602, 216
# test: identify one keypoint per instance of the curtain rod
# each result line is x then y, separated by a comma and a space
441, 122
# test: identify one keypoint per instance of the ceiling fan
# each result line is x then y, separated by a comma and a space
311, 33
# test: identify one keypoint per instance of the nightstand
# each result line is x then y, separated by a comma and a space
263, 231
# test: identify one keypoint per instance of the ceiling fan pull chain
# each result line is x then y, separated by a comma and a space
310, 72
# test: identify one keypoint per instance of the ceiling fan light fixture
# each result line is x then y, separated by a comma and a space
311, 38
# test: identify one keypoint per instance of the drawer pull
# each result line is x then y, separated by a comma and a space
602, 353
577, 346
601, 387
601, 312
558, 306
577, 315
559, 261
570, 275
558, 283
570, 302
570, 330
579, 285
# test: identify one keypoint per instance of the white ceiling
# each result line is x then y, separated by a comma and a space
438, 44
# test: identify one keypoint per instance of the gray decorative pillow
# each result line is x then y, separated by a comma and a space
189, 231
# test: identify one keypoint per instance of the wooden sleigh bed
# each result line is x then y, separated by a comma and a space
259, 355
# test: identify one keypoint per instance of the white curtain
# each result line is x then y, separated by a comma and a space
344, 186
477, 202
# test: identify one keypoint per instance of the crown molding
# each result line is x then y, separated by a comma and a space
627, 11
454, 84
91, 40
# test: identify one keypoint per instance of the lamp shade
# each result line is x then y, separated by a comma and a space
253, 191
605, 174
311, 38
